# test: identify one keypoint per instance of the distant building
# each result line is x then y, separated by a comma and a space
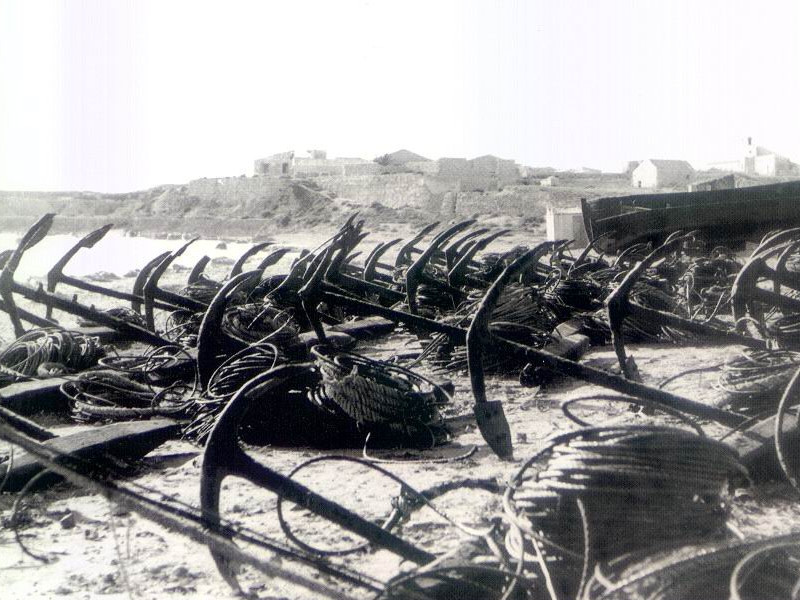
757, 160
726, 182
632, 164
453, 168
549, 181
402, 157
483, 173
541, 171
275, 165
657, 173
315, 164
501, 170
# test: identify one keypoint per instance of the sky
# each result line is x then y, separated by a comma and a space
116, 95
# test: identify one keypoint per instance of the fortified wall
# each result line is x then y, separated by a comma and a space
393, 190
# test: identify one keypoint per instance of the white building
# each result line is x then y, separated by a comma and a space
657, 173
566, 224
757, 160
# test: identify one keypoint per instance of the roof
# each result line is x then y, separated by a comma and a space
401, 157
487, 157
761, 151
672, 166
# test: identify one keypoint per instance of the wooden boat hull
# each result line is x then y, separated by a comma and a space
724, 217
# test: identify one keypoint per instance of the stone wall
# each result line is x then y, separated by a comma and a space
366, 168
311, 167
525, 201
394, 190
485, 173
429, 167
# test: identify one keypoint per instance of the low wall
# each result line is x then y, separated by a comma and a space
523, 201
396, 190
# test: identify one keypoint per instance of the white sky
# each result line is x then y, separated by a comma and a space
122, 95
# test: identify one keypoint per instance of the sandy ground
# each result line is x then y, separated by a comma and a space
95, 550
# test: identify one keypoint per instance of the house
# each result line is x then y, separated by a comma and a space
657, 173
479, 174
757, 160
275, 165
500, 171
549, 181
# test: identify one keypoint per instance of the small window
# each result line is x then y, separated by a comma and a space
285, 168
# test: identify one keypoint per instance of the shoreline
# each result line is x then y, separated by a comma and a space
223, 229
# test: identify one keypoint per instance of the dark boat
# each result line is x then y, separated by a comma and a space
728, 217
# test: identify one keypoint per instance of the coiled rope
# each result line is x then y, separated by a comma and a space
597, 493
375, 392
70, 351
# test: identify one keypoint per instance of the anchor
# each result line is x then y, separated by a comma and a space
457, 247
197, 271
9, 287
619, 306
415, 275
458, 274
373, 262
56, 274
252, 251
224, 457
747, 297
406, 250
151, 292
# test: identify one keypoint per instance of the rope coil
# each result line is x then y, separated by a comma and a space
375, 392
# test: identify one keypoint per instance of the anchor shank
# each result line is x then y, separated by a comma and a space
615, 382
